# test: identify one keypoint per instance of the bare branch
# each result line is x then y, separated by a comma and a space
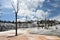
13, 6
17, 6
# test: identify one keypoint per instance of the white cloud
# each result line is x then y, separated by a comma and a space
41, 14
56, 4
48, 0
27, 7
24, 4
22, 19
6, 4
56, 18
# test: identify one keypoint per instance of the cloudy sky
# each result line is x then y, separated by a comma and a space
30, 9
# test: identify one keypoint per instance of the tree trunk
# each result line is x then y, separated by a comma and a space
16, 23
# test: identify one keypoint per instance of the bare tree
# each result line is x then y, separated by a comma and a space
16, 12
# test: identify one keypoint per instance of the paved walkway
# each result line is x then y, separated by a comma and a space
25, 36
29, 37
